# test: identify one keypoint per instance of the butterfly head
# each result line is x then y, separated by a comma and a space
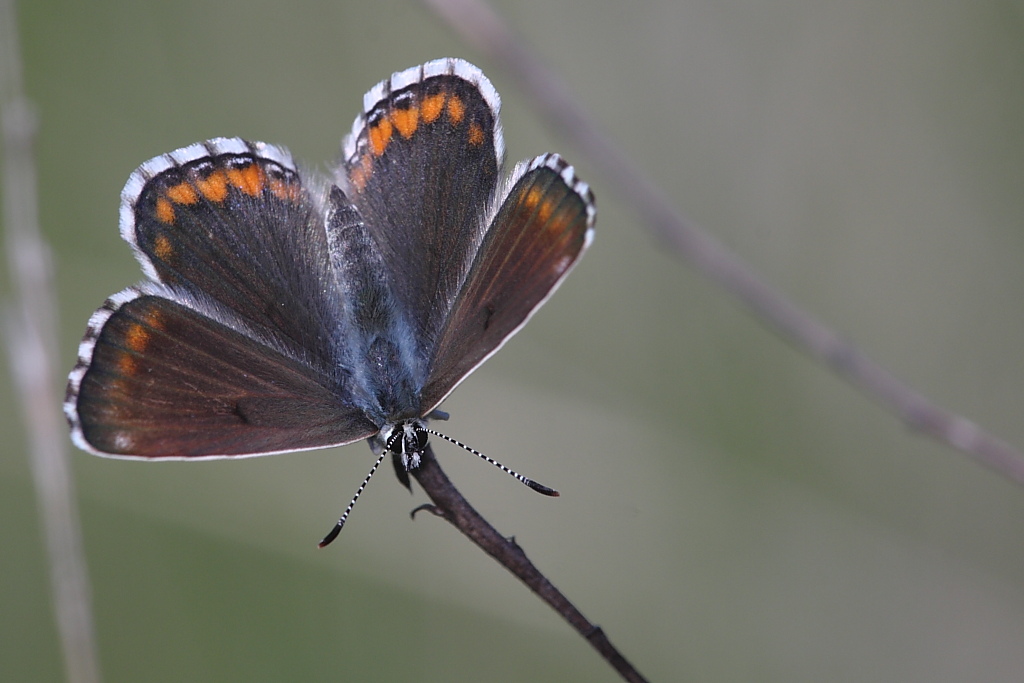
407, 439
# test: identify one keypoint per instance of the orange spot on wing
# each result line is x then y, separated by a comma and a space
137, 338
533, 197
456, 110
406, 121
544, 215
126, 364
380, 136
431, 107
164, 211
476, 134
360, 175
285, 190
182, 193
162, 248
535, 200
249, 179
279, 189
214, 186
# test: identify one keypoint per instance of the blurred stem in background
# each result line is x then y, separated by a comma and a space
30, 326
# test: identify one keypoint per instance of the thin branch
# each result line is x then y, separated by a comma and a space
482, 28
30, 332
449, 504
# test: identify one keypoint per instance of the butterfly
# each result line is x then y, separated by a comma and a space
282, 311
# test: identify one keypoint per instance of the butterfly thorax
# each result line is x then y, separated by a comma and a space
393, 390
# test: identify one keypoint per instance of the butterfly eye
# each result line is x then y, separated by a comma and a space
417, 438
395, 442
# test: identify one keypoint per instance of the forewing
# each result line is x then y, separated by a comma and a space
421, 165
232, 221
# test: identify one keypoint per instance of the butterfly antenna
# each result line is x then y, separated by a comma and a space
539, 488
341, 522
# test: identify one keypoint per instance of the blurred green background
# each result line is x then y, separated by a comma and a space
729, 510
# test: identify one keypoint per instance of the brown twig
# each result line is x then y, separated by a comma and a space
449, 504
479, 26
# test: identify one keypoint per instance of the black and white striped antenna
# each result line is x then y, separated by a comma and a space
391, 446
